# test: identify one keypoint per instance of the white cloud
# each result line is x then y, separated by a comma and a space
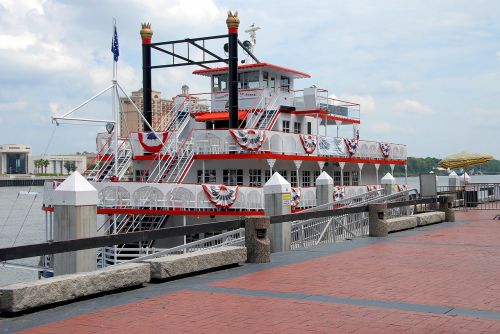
392, 85
366, 102
17, 42
380, 127
412, 106
498, 54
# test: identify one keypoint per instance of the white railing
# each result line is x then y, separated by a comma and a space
231, 238
221, 141
310, 232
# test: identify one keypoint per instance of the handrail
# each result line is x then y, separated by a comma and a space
100, 151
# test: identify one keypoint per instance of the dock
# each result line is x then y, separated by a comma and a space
435, 278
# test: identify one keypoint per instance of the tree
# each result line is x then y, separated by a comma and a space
45, 163
70, 166
37, 164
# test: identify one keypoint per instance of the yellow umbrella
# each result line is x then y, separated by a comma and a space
464, 159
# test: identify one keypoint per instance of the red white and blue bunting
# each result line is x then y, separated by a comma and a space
220, 195
309, 143
386, 149
250, 140
338, 193
401, 187
150, 142
373, 187
351, 145
295, 197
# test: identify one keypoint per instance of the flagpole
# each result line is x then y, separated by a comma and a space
114, 97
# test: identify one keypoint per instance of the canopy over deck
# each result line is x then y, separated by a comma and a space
292, 73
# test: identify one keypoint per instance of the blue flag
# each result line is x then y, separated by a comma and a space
114, 46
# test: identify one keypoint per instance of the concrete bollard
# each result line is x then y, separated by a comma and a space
324, 189
257, 240
277, 201
377, 223
389, 184
446, 206
75, 217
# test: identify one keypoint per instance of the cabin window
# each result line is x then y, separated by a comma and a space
272, 85
285, 84
309, 128
267, 175
284, 174
293, 178
346, 178
355, 178
219, 82
316, 175
209, 177
248, 80
336, 178
296, 127
286, 126
306, 178
265, 77
232, 177
255, 177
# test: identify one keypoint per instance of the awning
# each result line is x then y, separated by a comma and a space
219, 116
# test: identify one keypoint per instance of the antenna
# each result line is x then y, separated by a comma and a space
253, 35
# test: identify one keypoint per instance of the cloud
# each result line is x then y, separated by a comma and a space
412, 106
392, 85
498, 54
380, 127
367, 103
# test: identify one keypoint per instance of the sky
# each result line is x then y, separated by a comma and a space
426, 73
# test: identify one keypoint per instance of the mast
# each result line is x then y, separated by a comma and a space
233, 23
146, 34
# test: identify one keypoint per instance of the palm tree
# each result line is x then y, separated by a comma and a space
45, 163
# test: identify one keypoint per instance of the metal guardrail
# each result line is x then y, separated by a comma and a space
474, 196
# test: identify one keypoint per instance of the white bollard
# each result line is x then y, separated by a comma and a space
389, 184
277, 201
324, 189
75, 217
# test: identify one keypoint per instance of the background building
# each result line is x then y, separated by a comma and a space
14, 159
58, 164
130, 121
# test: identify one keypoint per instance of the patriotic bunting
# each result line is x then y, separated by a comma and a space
309, 143
402, 187
386, 149
295, 197
250, 140
351, 145
338, 193
151, 143
220, 195
373, 187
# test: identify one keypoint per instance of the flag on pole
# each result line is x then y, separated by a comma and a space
114, 46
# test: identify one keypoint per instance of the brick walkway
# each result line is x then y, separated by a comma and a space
440, 279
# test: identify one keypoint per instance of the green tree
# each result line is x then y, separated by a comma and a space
70, 166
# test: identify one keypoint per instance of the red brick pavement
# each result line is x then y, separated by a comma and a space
455, 267
445, 275
204, 312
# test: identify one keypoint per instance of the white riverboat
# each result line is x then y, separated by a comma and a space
193, 168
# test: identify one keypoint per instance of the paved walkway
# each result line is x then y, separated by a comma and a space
439, 279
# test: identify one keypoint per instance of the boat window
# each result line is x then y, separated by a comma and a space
219, 82
284, 174
272, 85
336, 178
346, 178
355, 178
255, 177
309, 128
286, 126
285, 84
293, 178
248, 80
232, 177
265, 76
297, 127
306, 178
267, 175
209, 177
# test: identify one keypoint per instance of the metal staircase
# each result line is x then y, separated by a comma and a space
104, 165
264, 119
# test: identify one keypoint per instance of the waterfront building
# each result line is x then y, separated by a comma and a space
58, 164
130, 120
14, 158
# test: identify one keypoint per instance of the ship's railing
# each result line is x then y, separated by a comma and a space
310, 232
231, 238
322, 101
248, 99
221, 142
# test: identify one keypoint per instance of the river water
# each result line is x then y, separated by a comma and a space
22, 222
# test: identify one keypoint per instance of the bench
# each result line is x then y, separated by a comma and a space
24, 296
427, 218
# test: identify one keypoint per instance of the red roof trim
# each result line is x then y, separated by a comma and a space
247, 66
